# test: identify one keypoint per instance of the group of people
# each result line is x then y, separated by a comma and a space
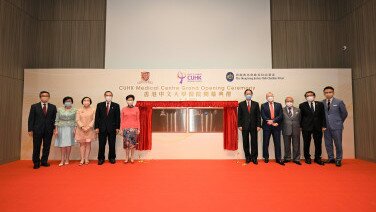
83, 125
312, 119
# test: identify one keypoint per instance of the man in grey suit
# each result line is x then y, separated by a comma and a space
336, 114
291, 131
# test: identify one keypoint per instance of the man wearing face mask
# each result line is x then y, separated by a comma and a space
291, 131
41, 124
313, 124
272, 117
336, 114
107, 125
249, 123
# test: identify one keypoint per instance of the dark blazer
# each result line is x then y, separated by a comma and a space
312, 120
109, 122
39, 123
265, 114
249, 120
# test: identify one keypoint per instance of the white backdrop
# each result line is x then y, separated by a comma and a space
197, 85
188, 34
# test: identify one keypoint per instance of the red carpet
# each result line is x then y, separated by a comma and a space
188, 185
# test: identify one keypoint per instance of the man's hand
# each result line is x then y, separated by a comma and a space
275, 124
258, 128
117, 131
97, 130
270, 122
240, 128
323, 129
56, 132
30, 133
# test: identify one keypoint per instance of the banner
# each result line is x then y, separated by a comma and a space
187, 85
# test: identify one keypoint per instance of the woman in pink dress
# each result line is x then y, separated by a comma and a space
85, 133
130, 126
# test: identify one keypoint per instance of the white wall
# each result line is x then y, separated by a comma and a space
188, 34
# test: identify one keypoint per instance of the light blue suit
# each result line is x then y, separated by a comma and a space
335, 117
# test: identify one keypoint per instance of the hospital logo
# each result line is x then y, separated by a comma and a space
189, 77
230, 76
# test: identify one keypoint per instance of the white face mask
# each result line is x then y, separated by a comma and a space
289, 104
270, 98
130, 103
310, 98
108, 98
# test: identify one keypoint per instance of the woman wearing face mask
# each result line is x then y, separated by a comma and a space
130, 126
65, 128
85, 133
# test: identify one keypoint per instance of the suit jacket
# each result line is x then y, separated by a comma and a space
312, 120
336, 115
109, 122
39, 123
265, 114
291, 125
249, 120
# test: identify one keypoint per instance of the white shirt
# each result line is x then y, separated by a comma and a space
108, 103
292, 110
314, 105
41, 103
331, 100
248, 102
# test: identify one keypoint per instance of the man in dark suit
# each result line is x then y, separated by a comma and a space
107, 125
313, 124
272, 117
336, 114
41, 124
249, 123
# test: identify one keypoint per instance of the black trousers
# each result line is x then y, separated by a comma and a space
103, 137
276, 133
254, 149
317, 138
39, 139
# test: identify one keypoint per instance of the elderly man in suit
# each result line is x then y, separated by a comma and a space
41, 124
272, 117
336, 114
249, 123
291, 131
313, 123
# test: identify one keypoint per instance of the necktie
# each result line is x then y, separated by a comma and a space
271, 110
328, 105
107, 108
44, 109
289, 113
312, 108
249, 107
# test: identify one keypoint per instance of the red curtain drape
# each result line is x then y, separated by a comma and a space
230, 126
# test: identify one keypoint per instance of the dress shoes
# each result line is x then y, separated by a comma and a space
280, 162
330, 161
319, 161
45, 164
298, 162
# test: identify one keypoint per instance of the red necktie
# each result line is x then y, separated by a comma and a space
249, 107
271, 110
44, 109
107, 108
